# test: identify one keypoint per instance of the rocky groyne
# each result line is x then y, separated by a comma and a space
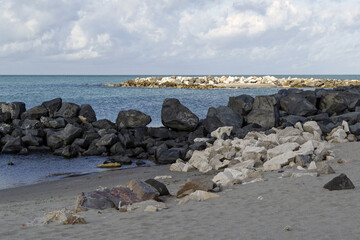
254, 126
207, 82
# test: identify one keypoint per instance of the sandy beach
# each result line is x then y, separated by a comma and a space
248, 211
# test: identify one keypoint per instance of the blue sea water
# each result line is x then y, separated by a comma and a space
107, 102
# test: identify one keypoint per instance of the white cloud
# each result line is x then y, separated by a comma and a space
159, 36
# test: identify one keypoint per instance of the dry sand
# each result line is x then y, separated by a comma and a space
301, 203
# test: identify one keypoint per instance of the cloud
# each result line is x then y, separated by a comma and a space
170, 37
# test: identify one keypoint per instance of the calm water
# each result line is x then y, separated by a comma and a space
107, 102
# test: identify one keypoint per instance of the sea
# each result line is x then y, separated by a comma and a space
107, 102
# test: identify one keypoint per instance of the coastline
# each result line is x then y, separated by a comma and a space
300, 203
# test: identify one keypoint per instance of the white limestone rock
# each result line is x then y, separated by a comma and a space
218, 133
279, 161
311, 127
280, 149
254, 153
229, 177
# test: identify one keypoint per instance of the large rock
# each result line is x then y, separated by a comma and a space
279, 161
107, 140
132, 119
159, 186
143, 191
87, 114
68, 110
176, 116
5, 117
265, 112
70, 132
333, 103
35, 113
94, 200
54, 140
295, 104
220, 117
13, 146
104, 124
170, 155
340, 182
229, 177
191, 186
14, 108
55, 123
242, 104
52, 106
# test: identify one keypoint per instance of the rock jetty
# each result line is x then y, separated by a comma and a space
291, 127
207, 82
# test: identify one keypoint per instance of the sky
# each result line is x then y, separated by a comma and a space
179, 37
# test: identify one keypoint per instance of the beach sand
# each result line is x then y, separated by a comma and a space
258, 210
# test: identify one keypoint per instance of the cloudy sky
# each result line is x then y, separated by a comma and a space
179, 37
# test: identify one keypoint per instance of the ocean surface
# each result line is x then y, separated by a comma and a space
107, 102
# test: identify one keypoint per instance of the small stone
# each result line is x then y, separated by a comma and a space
150, 208
324, 168
287, 228
340, 182
191, 186
163, 177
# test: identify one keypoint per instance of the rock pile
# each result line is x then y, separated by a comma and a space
206, 82
70, 130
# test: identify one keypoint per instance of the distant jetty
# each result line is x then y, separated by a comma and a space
207, 82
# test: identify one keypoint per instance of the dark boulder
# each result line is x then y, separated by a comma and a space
35, 113
159, 186
14, 108
31, 124
121, 159
265, 112
295, 104
55, 123
221, 116
198, 146
160, 132
132, 119
292, 119
319, 117
70, 151
107, 140
5, 117
52, 106
333, 102
69, 133
340, 182
355, 129
170, 155
68, 110
104, 124
87, 114
176, 116
242, 104
13, 146
54, 140
6, 129
350, 116
30, 140
117, 148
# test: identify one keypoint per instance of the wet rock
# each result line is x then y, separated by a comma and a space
87, 114
12, 146
35, 113
340, 182
192, 185
132, 119
242, 104
52, 106
68, 110
176, 116
70, 151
